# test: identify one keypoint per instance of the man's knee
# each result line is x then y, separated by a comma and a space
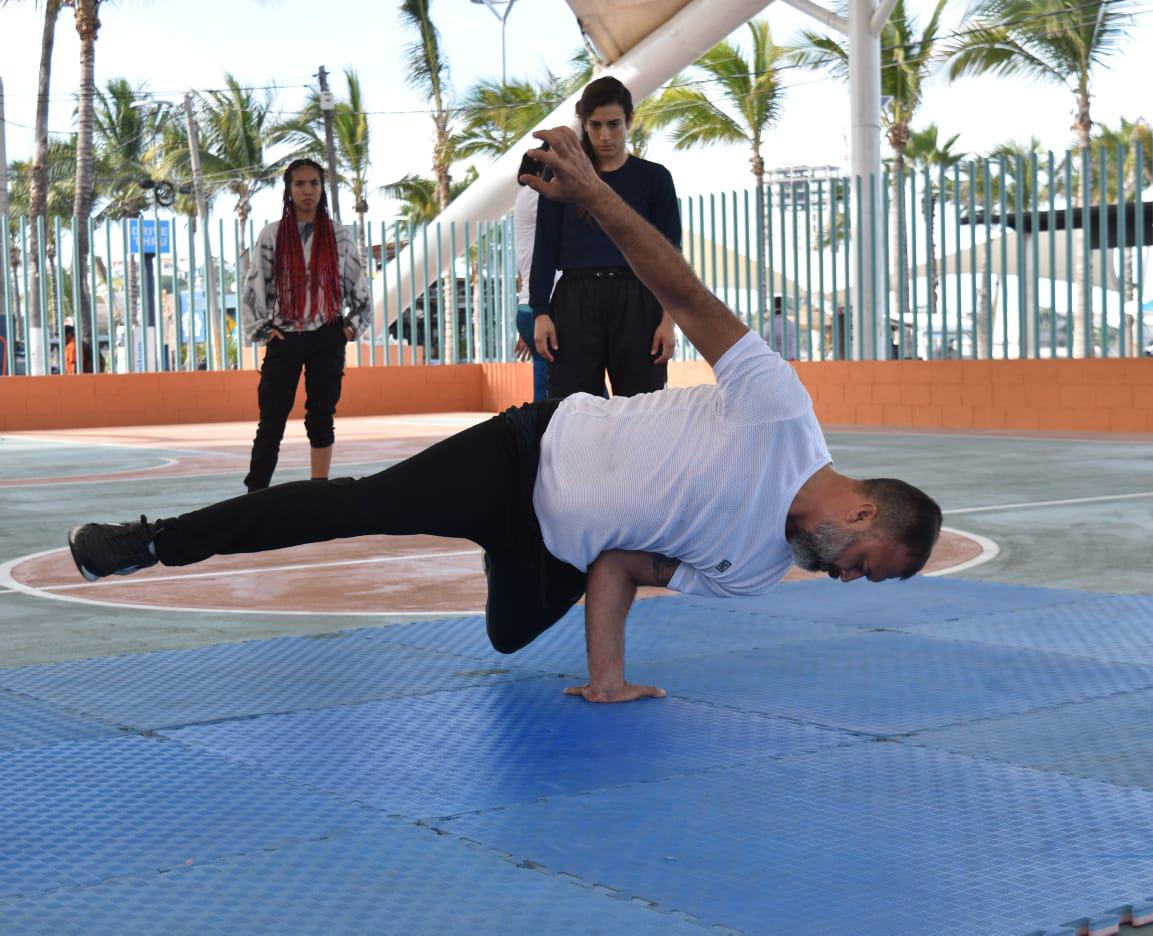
504, 642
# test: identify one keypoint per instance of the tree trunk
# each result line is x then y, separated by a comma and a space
87, 25
1082, 337
929, 202
898, 140
38, 193
982, 317
764, 287
441, 163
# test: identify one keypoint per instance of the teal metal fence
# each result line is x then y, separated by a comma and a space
1034, 255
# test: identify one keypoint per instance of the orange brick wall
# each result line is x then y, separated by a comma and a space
1078, 396
1064, 396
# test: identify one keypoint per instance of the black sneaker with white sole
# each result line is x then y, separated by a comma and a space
101, 549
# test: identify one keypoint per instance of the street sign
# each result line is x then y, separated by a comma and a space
150, 236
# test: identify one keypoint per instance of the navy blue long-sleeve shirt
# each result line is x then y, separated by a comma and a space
566, 241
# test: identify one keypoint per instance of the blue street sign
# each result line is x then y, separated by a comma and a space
150, 236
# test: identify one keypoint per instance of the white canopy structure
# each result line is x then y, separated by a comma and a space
644, 43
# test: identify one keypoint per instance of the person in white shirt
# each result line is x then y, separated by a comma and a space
708, 490
524, 228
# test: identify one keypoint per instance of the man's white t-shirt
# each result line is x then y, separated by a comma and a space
701, 474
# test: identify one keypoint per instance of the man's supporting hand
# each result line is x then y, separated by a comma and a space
612, 585
626, 692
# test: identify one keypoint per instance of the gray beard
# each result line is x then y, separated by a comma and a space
817, 550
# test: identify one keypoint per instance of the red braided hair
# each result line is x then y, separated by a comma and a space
320, 287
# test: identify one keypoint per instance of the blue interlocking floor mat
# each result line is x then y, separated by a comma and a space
930, 757
28, 723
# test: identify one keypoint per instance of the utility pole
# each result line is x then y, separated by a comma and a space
327, 105
3, 158
202, 212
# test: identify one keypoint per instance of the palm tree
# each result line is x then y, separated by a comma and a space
1062, 41
87, 26
496, 115
59, 193
428, 73
234, 123
925, 151
126, 142
350, 129
752, 96
1130, 137
908, 59
58, 197
418, 196
1005, 184
38, 185
750, 90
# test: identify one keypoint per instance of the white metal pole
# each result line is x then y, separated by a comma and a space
3, 158
869, 331
202, 212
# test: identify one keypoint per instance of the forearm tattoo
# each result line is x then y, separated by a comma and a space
663, 569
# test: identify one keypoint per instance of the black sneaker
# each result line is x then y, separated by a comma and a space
101, 549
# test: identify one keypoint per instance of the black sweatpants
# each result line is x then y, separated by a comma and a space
604, 322
475, 485
320, 354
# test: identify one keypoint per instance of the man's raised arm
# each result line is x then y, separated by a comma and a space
704, 319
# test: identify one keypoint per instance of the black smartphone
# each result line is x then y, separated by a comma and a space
530, 166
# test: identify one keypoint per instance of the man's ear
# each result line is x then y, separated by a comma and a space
863, 513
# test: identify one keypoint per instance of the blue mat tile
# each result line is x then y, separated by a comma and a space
475, 749
27, 723
658, 629
872, 838
886, 683
1104, 739
1103, 627
396, 879
81, 812
235, 680
894, 604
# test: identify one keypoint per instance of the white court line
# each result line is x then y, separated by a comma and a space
7, 581
298, 567
1051, 503
128, 474
989, 552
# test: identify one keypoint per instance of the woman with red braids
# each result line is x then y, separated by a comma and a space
305, 272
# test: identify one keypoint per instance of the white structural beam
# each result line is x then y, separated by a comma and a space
865, 179
818, 12
677, 44
881, 16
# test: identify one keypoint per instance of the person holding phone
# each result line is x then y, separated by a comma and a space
600, 317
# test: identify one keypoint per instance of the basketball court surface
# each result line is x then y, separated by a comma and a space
320, 740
